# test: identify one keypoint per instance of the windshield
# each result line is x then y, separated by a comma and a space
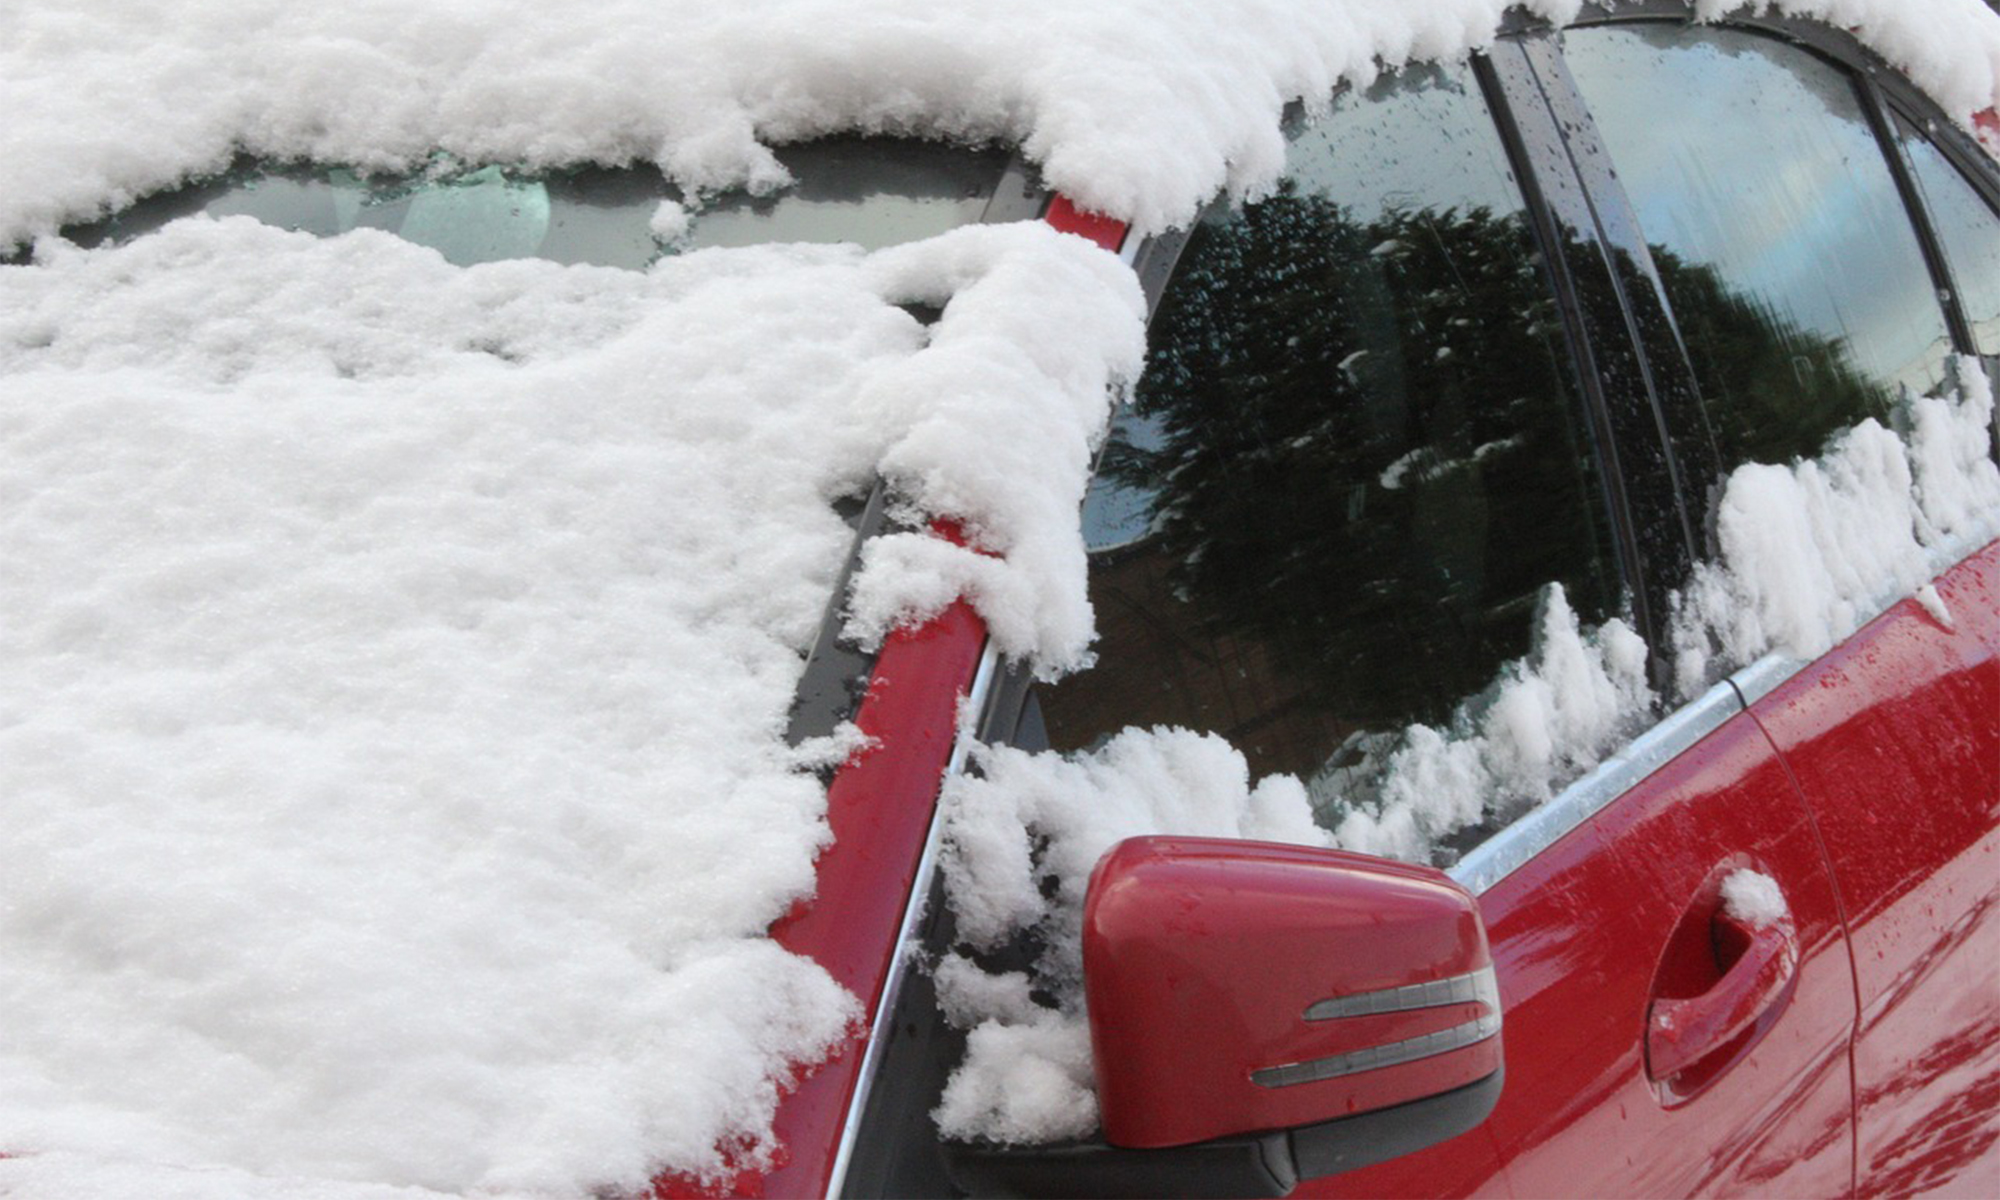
874, 192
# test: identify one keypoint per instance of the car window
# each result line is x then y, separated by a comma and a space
1795, 275
1355, 461
1969, 231
874, 192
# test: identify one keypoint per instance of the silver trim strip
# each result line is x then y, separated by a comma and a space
907, 938
1538, 829
1762, 677
1473, 987
1444, 1041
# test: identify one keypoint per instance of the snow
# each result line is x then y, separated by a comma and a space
1934, 604
394, 656
394, 669
1753, 898
1140, 110
1806, 549
1020, 839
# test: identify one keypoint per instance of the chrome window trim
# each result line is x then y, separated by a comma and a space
1764, 676
1502, 854
909, 939
1505, 852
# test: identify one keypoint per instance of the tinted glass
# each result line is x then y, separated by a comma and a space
1795, 274
1354, 461
1970, 233
872, 191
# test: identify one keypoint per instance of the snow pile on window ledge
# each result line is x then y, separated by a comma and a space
1139, 109
1805, 552
394, 665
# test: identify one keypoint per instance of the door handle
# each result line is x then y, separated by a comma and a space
1682, 1032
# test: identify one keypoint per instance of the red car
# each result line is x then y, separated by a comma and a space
1576, 481
1575, 284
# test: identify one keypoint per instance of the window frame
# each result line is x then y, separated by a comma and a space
1882, 91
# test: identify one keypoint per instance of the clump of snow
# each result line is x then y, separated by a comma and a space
971, 417
394, 666
1020, 839
1806, 551
1025, 1079
1140, 110
670, 222
1753, 898
1934, 604
1549, 718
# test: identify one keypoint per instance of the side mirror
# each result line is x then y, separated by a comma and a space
1262, 1014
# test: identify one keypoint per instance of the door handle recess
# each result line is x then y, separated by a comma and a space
1680, 1033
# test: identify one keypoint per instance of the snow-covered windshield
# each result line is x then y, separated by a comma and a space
873, 192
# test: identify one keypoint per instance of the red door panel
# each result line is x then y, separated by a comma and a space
1587, 935
1895, 740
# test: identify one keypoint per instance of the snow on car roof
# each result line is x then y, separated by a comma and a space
1141, 110
394, 657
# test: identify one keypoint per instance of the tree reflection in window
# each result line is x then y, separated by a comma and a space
1795, 274
1356, 458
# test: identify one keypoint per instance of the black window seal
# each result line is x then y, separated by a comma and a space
1883, 123
1650, 528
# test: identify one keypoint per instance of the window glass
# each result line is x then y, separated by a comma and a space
1355, 460
1970, 233
872, 191
1793, 269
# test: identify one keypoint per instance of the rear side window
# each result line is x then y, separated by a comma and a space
874, 192
1356, 458
1795, 275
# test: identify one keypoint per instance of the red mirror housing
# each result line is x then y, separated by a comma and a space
1238, 986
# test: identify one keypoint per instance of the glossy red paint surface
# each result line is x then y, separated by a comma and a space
879, 809
1986, 122
1237, 940
1894, 738
1588, 936
1101, 229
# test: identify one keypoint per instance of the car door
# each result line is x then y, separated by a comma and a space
1893, 734
1386, 409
